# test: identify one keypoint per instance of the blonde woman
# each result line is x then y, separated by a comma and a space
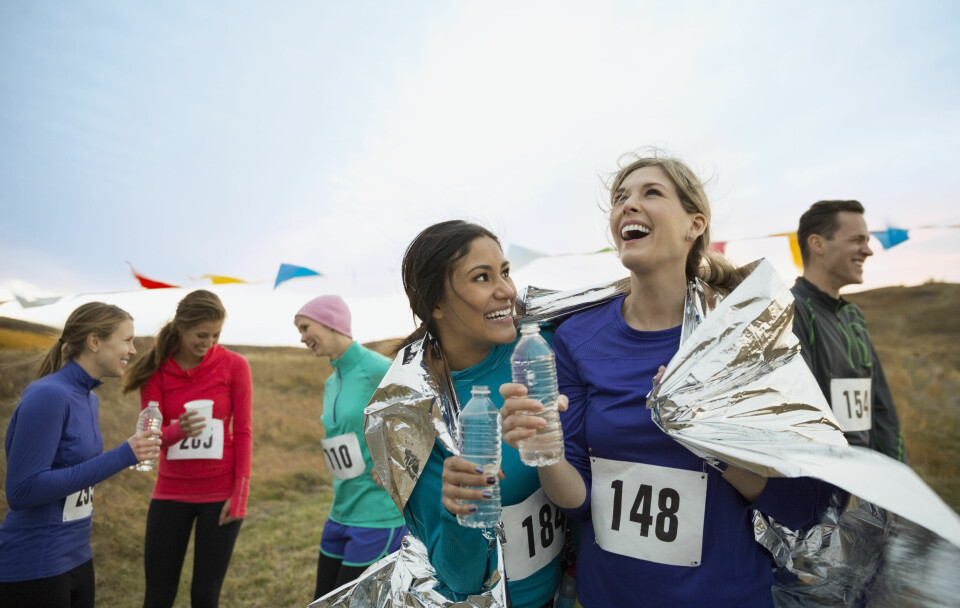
55, 458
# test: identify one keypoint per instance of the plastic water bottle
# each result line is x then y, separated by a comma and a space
480, 443
567, 594
534, 366
149, 420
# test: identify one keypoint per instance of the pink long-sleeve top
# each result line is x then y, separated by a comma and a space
224, 377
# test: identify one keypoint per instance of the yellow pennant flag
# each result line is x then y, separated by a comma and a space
794, 249
219, 280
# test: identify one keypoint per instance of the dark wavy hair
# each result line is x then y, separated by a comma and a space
429, 262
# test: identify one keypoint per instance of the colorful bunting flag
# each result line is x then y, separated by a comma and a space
219, 280
794, 249
718, 247
34, 302
521, 256
891, 237
149, 283
289, 271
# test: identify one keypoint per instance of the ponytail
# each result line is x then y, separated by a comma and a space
91, 318
140, 371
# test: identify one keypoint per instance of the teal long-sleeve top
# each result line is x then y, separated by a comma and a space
459, 554
359, 501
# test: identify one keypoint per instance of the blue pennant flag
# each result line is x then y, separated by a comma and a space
891, 237
289, 271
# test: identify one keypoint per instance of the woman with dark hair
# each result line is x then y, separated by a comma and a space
662, 528
460, 290
55, 458
204, 481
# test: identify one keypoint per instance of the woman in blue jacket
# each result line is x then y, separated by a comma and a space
55, 458
460, 290
661, 527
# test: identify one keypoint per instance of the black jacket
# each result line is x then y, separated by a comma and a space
837, 348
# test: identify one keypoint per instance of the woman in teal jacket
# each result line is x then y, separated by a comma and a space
364, 524
459, 287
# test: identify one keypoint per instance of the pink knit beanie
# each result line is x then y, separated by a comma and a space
331, 311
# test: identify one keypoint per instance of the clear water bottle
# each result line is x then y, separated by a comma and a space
480, 444
149, 420
534, 366
567, 594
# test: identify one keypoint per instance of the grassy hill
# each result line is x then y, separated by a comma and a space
915, 330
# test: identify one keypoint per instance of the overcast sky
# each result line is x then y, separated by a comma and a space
228, 137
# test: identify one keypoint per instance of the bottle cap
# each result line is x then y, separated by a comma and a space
480, 390
529, 328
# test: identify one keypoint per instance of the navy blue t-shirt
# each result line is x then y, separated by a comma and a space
606, 369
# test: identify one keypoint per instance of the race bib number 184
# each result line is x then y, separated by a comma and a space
648, 512
535, 530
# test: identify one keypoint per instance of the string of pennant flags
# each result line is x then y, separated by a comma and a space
517, 254
285, 273
889, 238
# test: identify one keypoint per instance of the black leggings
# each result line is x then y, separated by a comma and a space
72, 589
331, 573
168, 532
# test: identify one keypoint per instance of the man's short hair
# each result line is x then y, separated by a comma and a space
822, 218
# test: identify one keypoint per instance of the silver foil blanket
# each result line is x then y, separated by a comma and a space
738, 391
404, 578
408, 412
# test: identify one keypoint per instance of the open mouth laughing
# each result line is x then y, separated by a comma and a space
632, 231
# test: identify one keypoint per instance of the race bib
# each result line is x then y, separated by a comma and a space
648, 512
343, 456
200, 448
78, 505
850, 400
534, 532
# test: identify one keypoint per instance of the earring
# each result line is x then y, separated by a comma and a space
689, 236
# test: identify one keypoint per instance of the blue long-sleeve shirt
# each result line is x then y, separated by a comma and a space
459, 554
606, 368
54, 450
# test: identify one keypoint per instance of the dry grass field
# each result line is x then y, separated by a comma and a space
916, 331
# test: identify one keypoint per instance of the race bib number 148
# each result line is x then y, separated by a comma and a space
648, 512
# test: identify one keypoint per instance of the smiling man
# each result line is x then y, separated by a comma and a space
834, 244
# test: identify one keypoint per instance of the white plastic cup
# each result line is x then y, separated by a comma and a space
204, 407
